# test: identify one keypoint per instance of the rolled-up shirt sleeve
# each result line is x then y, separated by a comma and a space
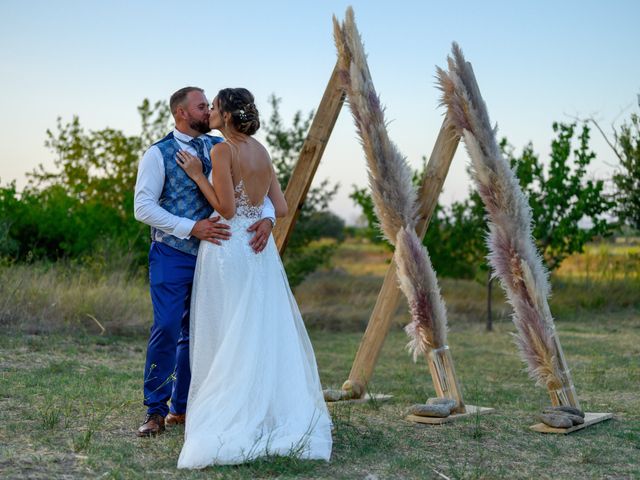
146, 201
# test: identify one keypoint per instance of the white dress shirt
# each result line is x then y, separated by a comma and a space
149, 186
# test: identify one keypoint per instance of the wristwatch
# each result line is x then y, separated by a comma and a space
272, 220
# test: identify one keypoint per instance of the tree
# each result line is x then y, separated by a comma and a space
9, 210
626, 147
454, 238
102, 164
627, 178
568, 210
86, 200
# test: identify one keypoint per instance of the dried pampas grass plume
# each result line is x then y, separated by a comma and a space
393, 193
513, 255
428, 327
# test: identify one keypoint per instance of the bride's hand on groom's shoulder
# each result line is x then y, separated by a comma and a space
190, 164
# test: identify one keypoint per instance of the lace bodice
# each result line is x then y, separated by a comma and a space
244, 207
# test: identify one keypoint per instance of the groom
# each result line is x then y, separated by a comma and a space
171, 203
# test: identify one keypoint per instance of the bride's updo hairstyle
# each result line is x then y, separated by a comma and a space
239, 103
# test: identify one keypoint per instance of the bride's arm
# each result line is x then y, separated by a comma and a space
276, 196
220, 195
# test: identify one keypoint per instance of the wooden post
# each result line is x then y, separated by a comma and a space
309, 158
445, 380
380, 321
566, 395
489, 284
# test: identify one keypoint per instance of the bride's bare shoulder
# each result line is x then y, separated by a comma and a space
260, 148
222, 151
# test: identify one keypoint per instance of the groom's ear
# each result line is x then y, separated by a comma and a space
180, 111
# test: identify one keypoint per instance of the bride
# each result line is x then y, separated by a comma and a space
255, 389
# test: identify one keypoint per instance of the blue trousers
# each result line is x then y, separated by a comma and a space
167, 373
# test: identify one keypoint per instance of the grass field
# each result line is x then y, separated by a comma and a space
71, 399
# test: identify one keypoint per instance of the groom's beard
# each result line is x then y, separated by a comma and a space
200, 126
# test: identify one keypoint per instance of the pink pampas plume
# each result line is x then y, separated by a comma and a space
513, 255
393, 194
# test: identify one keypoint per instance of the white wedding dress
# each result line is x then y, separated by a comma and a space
255, 389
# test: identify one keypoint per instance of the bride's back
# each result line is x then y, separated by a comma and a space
234, 113
251, 165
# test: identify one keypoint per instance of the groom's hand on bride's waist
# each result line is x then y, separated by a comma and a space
262, 229
210, 230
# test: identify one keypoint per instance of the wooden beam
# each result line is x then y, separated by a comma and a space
310, 155
387, 302
566, 395
445, 380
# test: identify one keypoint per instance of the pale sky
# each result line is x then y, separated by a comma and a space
536, 62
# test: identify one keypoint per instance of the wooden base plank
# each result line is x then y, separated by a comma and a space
590, 418
376, 397
470, 411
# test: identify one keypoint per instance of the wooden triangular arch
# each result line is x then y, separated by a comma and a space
296, 191
442, 372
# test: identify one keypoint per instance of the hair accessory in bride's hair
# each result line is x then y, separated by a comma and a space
244, 111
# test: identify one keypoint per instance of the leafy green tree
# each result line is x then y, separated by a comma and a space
101, 165
454, 238
362, 198
568, 209
626, 147
10, 209
86, 200
627, 178
302, 255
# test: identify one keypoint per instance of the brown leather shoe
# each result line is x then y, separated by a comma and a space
153, 425
175, 419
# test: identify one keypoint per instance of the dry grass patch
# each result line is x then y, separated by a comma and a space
71, 404
56, 297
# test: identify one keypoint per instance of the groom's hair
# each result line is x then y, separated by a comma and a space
180, 96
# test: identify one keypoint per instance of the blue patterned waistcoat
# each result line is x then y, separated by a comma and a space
180, 195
